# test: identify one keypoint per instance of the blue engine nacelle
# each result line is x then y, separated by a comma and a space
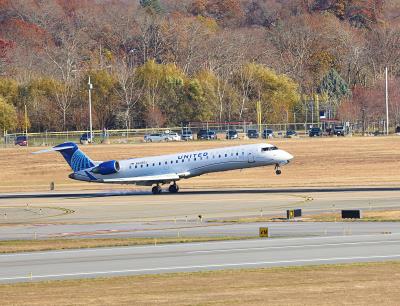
108, 167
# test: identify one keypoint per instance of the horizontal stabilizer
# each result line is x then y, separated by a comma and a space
54, 149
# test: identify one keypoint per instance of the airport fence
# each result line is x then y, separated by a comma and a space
48, 138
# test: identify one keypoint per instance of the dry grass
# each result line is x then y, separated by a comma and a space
350, 161
355, 284
371, 216
13, 246
367, 216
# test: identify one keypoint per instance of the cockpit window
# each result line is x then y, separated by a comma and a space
269, 149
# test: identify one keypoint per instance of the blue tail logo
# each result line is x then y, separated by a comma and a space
75, 158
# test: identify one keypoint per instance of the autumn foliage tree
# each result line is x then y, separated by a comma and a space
161, 62
5, 48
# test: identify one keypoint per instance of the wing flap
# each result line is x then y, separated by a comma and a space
147, 178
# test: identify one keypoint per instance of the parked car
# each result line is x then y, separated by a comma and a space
231, 134
202, 134
155, 137
291, 133
172, 137
206, 134
252, 134
328, 131
315, 131
187, 135
268, 133
85, 138
212, 135
21, 140
339, 130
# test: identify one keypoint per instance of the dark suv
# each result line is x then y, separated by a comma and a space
232, 134
291, 133
315, 131
211, 135
338, 130
267, 133
21, 140
252, 134
85, 138
206, 134
202, 134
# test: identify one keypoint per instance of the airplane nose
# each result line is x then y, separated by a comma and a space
289, 156
285, 157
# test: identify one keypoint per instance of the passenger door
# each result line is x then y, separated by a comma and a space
250, 158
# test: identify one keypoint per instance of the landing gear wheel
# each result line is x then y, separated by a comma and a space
277, 170
173, 188
156, 190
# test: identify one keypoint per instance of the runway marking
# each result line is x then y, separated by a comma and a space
201, 267
292, 246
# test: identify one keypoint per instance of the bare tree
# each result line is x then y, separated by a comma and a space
64, 55
128, 90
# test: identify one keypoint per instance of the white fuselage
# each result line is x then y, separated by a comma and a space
190, 164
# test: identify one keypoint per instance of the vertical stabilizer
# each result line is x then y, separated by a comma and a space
75, 158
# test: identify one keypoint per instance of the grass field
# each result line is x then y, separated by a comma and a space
350, 161
13, 246
355, 284
367, 216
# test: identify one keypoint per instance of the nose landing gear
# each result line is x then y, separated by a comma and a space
277, 170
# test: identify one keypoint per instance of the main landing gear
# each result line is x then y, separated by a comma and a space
156, 189
277, 170
173, 188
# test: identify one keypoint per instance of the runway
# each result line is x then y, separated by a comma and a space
120, 214
115, 214
126, 206
107, 262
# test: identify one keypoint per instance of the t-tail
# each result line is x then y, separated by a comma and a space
75, 158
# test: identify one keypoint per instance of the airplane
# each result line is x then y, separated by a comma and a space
168, 169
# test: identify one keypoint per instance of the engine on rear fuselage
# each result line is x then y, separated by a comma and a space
108, 167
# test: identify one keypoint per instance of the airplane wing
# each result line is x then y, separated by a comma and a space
145, 180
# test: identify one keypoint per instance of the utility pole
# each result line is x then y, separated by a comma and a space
90, 85
387, 101
259, 118
363, 121
312, 112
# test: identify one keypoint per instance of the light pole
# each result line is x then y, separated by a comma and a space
26, 125
90, 86
387, 100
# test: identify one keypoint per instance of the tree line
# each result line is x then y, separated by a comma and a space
159, 63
